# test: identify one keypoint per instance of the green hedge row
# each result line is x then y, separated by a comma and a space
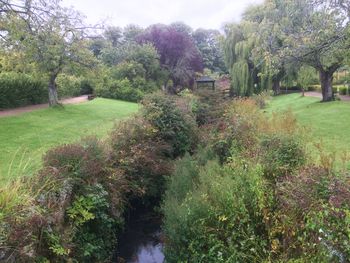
341, 89
18, 89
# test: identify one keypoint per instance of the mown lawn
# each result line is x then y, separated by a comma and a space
24, 138
329, 122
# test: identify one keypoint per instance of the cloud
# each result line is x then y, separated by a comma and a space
196, 13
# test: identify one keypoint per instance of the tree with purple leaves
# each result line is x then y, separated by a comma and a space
179, 56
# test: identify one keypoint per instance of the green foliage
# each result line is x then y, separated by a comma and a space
208, 43
218, 218
237, 49
72, 86
306, 76
18, 89
143, 156
53, 43
282, 154
97, 229
175, 122
315, 209
126, 81
120, 89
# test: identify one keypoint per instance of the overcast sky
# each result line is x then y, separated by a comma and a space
196, 13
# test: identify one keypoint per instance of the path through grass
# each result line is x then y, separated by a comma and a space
24, 138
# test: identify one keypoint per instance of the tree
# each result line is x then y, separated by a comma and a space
51, 36
177, 51
268, 42
208, 43
306, 77
182, 28
147, 56
114, 35
312, 33
238, 46
131, 32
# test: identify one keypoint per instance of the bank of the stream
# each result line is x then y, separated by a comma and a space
74, 208
255, 194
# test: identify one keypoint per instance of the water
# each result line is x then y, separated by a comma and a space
142, 241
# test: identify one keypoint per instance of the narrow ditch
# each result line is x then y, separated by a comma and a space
142, 240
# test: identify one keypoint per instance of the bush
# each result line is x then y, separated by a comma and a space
127, 81
174, 120
281, 155
219, 219
138, 150
18, 89
120, 89
145, 145
79, 200
68, 86
315, 209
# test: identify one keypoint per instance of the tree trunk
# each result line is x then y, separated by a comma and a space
53, 97
326, 78
276, 86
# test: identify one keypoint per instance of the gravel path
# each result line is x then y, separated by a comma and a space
17, 111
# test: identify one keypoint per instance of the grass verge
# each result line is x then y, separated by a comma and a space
24, 138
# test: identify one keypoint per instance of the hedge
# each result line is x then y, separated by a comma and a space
18, 89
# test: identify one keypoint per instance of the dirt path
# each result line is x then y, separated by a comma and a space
17, 111
319, 95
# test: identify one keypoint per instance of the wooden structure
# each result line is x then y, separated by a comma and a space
205, 81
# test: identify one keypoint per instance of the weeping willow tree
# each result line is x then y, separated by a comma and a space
237, 53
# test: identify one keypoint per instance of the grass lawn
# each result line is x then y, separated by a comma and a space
24, 138
329, 122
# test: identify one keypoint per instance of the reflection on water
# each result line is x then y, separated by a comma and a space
141, 242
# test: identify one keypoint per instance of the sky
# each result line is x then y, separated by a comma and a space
196, 13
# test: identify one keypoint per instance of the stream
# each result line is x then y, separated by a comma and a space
141, 241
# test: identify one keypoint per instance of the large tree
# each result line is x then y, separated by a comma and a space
178, 53
238, 46
267, 44
314, 33
208, 43
48, 34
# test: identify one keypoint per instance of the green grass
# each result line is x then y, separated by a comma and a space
24, 138
329, 122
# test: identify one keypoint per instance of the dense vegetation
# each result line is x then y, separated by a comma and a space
234, 180
72, 209
253, 193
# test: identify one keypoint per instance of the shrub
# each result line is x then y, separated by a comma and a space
174, 120
68, 85
281, 154
120, 89
219, 219
127, 81
18, 89
77, 208
138, 150
315, 206
239, 130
